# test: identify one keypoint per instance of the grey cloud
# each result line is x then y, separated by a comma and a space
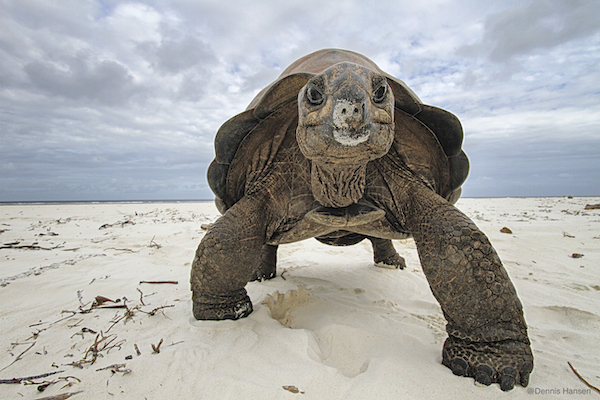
173, 56
107, 81
537, 25
112, 100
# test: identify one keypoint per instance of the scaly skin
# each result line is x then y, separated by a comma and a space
226, 259
487, 334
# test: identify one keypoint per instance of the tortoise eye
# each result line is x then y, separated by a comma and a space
314, 96
379, 93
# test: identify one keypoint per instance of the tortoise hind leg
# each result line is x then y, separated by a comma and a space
268, 263
384, 253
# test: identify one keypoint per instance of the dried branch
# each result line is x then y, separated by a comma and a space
29, 378
156, 349
113, 366
19, 356
127, 250
141, 296
156, 309
160, 282
582, 379
101, 343
62, 396
66, 379
122, 224
33, 246
154, 244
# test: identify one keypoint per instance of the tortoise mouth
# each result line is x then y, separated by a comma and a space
351, 137
330, 144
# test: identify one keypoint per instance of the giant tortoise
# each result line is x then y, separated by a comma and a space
338, 150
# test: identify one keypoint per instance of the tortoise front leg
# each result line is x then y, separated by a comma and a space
487, 333
227, 258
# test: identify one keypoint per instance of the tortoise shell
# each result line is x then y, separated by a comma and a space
440, 132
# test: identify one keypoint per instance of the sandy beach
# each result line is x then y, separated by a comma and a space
95, 302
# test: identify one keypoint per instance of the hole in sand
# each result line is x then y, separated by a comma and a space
339, 346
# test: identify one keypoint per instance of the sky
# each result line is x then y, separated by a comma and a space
118, 100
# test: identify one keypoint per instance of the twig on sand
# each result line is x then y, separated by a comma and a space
141, 296
116, 368
126, 250
101, 343
29, 378
154, 244
160, 282
582, 379
62, 396
69, 383
19, 356
156, 309
34, 246
156, 349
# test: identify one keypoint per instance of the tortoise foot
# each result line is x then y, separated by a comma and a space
508, 362
221, 307
264, 272
393, 262
267, 268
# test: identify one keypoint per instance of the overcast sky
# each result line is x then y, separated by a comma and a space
117, 100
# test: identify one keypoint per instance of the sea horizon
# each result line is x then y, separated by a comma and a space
75, 202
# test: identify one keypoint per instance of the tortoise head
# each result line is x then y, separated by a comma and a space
346, 116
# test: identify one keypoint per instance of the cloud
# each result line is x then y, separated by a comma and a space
109, 99
107, 82
539, 24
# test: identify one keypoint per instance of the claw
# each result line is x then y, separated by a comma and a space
484, 375
524, 380
508, 378
507, 383
459, 367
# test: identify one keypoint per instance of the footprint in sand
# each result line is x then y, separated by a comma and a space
342, 347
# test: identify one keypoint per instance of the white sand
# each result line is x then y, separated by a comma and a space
352, 331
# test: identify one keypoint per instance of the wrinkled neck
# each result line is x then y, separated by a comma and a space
338, 185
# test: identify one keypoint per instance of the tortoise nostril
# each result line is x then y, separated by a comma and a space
343, 111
